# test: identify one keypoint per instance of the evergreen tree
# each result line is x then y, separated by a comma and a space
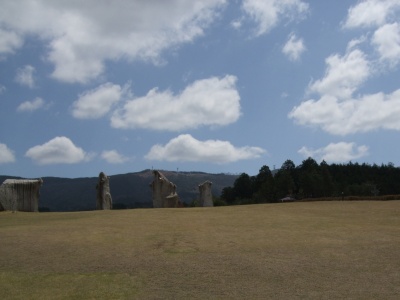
264, 187
243, 187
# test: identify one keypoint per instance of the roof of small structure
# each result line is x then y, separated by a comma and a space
288, 199
21, 181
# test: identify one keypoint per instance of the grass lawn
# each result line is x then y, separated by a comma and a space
313, 250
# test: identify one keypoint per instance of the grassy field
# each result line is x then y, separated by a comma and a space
314, 250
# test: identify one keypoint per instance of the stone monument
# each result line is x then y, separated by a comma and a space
104, 200
20, 194
205, 194
164, 192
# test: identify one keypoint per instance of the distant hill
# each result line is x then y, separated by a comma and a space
130, 190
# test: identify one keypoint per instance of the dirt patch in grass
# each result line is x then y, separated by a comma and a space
319, 250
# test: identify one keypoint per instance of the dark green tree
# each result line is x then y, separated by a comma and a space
309, 165
284, 184
327, 181
228, 195
243, 187
310, 179
264, 187
288, 165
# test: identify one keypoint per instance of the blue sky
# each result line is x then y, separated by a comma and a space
209, 85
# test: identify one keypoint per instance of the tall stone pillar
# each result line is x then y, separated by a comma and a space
164, 192
104, 200
205, 194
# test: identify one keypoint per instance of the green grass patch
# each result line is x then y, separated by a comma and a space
67, 286
309, 250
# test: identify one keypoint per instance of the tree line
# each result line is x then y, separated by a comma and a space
313, 180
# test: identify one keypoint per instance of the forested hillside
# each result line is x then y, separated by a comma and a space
130, 190
307, 180
313, 180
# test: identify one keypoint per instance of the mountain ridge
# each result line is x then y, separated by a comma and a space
129, 190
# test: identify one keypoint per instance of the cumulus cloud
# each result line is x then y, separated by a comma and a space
336, 152
24, 76
6, 154
60, 150
98, 102
208, 102
9, 41
82, 36
31, 105
294, 47
186, 148
268, 13
113, 157
387, 41
382, 16
371, 13
343, 75
367, 113
338, 111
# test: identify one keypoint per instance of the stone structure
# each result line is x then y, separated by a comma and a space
164, 192
20, 194
205, 194
104, 200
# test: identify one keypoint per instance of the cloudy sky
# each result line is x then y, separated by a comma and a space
208, 85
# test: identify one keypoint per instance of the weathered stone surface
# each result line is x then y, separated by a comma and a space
104, 199
20, 194
164, 192
205, 194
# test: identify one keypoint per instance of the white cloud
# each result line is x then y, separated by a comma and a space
267, 13
336, 152
186, 148
284, 95
363, 114
338, 111
355, 42
6, 154
208, 102
344, 74
24, 76
96, 103
236, 24
387, 40
2, 89
294, 47
9, 41
60, 150
113, 157
82, 36
31, 105
380, 14
371, 13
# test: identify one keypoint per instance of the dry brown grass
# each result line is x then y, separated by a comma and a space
319, 250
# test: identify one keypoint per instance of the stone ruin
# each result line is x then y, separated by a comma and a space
20, 194
164, 192
104, 200
205, 194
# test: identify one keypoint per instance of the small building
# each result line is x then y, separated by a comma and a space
20, 194
287, 199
